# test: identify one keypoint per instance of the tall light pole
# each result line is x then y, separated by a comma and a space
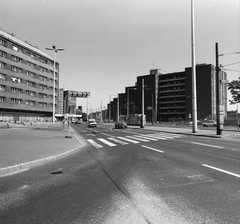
142, 120
194, 95
54, 62
219, 104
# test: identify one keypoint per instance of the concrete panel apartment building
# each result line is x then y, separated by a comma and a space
26, 81
168, 97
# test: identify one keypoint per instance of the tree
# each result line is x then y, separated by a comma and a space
234, 87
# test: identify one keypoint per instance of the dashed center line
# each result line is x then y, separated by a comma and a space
157, 150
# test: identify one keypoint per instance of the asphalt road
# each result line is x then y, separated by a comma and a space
130, 176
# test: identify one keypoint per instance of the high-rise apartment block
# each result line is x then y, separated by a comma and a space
168, 96
26, 81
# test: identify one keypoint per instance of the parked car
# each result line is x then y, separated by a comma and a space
92, 123
199, 122
78, 122
209, 123
120, 124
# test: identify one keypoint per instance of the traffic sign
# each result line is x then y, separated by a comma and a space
224, 81
79, 94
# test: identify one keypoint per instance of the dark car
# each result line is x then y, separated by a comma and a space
78, 122
120, 124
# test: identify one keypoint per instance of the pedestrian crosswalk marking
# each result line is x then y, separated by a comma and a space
113, 141
93, 143
128, 140
118, 141
146, 137
106, 142
158, 137
138, 139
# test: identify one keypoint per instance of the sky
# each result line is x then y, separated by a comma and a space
108, 43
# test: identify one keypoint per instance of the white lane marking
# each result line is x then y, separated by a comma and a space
146, 137
128, 140
106, 142
167, 136
158, 137
139, 139
221, 170
157, 150
93, 143
131, 132
118, 141
108, 135
215, 146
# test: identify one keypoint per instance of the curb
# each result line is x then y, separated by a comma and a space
182, 133
10, 170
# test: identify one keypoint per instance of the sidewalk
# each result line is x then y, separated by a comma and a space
183, 129
23, 147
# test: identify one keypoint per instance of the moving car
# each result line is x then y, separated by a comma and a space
92, 123
209, 123
120, 124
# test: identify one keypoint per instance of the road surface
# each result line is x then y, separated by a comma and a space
130, 176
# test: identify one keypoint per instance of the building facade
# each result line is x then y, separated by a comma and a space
69, 103
26, 81
168, 97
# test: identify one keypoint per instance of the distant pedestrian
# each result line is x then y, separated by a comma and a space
238, 122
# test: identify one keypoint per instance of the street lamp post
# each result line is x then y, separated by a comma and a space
194, 97
142, 120
54, 62
219, 105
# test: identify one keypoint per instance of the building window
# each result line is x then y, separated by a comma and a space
14, 69
2, 54
2, 99
42, 86
17, 59
30, 93
3, 43
31, 74
2, 65
16, 80
31, 64
42, 95
16, 90
15, 48
16, 101
32, 56
2, 88
30, 102
44, 78
41, 104
2, 77
42, 69
29, 83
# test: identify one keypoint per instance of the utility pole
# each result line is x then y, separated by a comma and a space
219, 128
118, 107
142, 122
101, 111
194, 95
